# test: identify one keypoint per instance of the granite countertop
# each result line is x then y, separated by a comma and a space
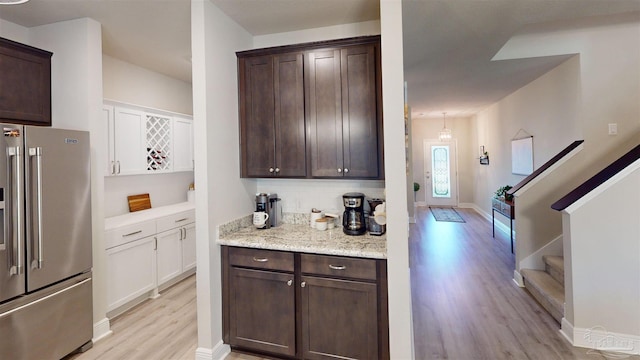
302, 238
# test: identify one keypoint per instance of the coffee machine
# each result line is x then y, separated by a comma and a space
353, 220
270, 204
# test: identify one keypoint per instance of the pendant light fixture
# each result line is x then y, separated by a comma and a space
444, 134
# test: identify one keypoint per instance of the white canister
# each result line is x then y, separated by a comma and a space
191, 196
315, 215
321, 224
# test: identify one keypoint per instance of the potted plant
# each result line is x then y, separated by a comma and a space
416, 188
502, 193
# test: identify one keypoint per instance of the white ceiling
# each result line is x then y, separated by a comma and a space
448, 44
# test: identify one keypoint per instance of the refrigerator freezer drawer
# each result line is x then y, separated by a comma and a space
48, 324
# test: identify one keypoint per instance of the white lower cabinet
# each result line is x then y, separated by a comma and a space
169, 255
132, 271
145, 255
189, 247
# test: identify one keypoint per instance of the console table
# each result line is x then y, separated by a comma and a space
505, 208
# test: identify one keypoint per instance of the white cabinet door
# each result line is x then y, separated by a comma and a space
129, 141
131, 270
182, 144
169, 254
189, 247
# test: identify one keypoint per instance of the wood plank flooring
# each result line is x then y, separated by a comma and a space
161, 329
465, 305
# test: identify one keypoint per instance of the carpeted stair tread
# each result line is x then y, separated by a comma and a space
545, 289
554, 265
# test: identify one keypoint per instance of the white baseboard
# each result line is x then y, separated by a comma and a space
609, 344
518, 279
101, 329
219, 352
420, 203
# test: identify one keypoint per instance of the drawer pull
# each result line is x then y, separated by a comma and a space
290, 282
260, 259
181, 220
337, 267
133, 233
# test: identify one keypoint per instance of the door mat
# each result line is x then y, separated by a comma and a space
446, 214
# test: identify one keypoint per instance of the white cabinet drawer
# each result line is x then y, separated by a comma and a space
176, 220
125, 234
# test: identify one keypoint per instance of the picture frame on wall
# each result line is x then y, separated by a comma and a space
522, 156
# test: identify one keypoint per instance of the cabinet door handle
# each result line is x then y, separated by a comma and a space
346, 170
271, 170
133, 233
277, 170
155, 243
118, 162
303, 284
339, 170
337, 267
290, 282
113, 168
260, 259
181, 233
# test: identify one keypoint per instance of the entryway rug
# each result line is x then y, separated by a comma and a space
446, 214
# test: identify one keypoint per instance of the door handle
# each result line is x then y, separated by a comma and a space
37, 153
15, 210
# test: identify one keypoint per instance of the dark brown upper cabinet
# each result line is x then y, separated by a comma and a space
312, 110
25, 84
272, 116
345, 134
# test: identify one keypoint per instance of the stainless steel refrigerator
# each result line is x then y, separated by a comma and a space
45, 242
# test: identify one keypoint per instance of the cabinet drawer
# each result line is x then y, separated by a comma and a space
176, 220
339, 266
129, 233
261, 259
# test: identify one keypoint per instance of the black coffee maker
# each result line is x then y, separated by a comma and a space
353, 220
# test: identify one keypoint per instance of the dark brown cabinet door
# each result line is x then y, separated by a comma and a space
272, 116
359, 113
339, 319
257, 116
324, 102
344, 121
25, 78
262, 311
290, 142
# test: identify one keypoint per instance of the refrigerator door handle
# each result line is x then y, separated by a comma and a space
15, 159
37, 153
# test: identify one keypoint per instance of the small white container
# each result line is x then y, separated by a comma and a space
191, 196
321, 224
315, 215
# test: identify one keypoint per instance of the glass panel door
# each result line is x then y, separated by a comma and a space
440, 173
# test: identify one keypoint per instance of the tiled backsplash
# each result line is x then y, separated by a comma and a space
300, 196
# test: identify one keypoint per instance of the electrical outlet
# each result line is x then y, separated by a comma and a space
613, 129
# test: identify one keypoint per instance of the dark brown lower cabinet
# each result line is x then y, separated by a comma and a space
339, 319
262, 310
305, 306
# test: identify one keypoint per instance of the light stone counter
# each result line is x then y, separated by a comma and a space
302, 238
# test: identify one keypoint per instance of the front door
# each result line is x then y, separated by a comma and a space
440, 173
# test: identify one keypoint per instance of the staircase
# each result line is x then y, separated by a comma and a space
547, 286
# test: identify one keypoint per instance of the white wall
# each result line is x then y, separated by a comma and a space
129, 83
605, 287
461, 128
400, 325
318, 34
132, 84
575, 101
163, 189
222, 195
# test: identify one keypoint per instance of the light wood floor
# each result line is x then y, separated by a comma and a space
465, 305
